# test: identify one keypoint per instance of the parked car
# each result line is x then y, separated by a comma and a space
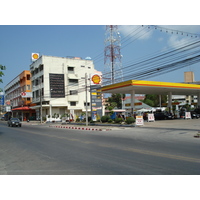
169, 115
163, 115
2, 118
14, 122
197, 110
194, 115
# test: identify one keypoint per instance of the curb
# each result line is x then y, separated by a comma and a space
80, 128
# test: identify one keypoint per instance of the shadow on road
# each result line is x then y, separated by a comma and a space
171, 129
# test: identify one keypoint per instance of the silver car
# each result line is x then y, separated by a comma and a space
14, 122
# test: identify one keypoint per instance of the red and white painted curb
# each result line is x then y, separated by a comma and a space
80, 128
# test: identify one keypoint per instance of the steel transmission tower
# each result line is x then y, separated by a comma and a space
112, 56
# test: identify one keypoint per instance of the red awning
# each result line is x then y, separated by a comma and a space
22, 108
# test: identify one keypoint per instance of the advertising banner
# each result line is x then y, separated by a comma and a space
26, 94
57, 85
187, 115
1, 100
96, 101
94, 115
151, 117
139, 121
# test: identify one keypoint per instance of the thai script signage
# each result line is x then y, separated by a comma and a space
57, 85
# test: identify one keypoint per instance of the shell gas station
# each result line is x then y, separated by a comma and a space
133, 87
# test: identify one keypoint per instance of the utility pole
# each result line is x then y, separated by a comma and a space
41, 100
86, 115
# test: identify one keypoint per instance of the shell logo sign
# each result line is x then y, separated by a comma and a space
35, 56
95, 79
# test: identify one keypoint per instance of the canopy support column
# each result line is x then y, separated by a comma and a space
170, 101
132, 102
198, 100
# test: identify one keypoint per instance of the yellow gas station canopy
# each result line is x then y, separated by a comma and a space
152, 87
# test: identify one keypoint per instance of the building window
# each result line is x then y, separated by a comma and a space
73, 92
71, 70
41, 67
28, 87
82, 66
88, 104
37, 94
28, 77
33, 83
73, 81
72, 103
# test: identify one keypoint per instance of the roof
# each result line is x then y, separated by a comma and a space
152, 87
22, 108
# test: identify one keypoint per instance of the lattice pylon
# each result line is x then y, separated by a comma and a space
112, 56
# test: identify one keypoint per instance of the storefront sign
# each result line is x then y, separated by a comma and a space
151, 118
187, 115
139, 121
95, 79
57, 87
26, 94
1, 100
35, 56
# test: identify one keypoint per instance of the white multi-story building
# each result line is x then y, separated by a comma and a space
59, 85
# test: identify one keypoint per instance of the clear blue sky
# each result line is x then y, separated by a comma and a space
19, 41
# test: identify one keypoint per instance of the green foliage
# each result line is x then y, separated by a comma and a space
115, 100
118, 120
105, 118
1, 74
149, 102
110, 120
83, 114
78, 120
153, 100
130, 120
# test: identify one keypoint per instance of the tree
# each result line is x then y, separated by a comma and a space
153, 100
1, 74
115, 100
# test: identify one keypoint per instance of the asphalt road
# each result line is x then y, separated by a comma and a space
155, 149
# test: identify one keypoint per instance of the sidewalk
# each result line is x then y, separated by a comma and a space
182, 124
80, 126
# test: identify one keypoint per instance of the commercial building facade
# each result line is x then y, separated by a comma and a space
18, 96
59, 86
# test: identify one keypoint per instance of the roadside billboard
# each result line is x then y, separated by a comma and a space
1, 100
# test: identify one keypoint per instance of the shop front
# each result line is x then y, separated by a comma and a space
24, 113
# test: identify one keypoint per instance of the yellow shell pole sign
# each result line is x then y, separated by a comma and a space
95, 79
35, 56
